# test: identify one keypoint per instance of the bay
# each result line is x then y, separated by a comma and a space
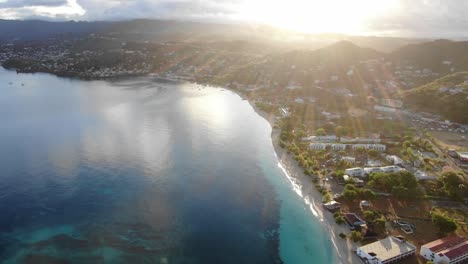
144, 171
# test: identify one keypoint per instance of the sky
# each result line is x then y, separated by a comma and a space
405, 18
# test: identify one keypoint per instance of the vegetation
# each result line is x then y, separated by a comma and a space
356, 236
402, 184
339, 218
433, 98
443, 222
454, 184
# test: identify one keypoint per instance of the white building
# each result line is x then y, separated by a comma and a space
378, 147
394, 159
318, 146
329, 138
338, 146
388, 250
354, 172
448, 250
359, 140
384, 109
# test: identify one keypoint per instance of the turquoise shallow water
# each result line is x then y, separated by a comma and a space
143, 171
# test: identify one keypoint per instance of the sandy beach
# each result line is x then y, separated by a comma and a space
304, 186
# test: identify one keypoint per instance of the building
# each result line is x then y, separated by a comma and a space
329, 138
318, 146
394, 159
332, 205
359, 140
389, 250
378, 147
354, 172
463, 156
354, 222
447, 250
338, 146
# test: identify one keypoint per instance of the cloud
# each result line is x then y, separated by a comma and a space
30, 3
423, 18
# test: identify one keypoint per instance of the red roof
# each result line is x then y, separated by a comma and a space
444, 243
457, 251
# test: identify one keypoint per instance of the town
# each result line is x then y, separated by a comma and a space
394, 176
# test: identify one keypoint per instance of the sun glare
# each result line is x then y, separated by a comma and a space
317, 16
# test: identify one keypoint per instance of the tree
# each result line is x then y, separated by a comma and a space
367, 194
320, 132
339, 131
370, 215
454, 185
373, 153
444, 223
350, 195
356, 236
379, 225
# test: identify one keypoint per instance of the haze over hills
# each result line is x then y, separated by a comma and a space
228, 54
171, 30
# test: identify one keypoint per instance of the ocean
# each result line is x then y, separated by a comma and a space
143, 170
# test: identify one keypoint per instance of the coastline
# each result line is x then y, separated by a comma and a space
305, 188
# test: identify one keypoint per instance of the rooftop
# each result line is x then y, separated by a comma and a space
452, 246
388, 248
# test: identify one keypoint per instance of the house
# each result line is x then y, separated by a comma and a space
354, 222
421, 175
395, 160
332, 205
389, 250
449, 250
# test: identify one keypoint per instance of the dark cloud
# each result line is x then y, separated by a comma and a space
29, 3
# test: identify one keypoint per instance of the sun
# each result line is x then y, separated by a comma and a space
317, 16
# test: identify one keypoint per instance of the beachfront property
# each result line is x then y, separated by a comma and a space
354, 222
378, 147
338, 146
362, 172
389, 250
447, 250
332, 205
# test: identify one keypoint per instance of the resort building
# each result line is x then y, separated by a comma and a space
318, 146
448, 250
389, 250
361, 172
378, 147
354, 172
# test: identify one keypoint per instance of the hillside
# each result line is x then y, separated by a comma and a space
440, 55
447, 96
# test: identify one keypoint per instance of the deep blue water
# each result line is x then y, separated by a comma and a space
143, 171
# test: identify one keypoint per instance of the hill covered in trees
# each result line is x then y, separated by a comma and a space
447, 96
